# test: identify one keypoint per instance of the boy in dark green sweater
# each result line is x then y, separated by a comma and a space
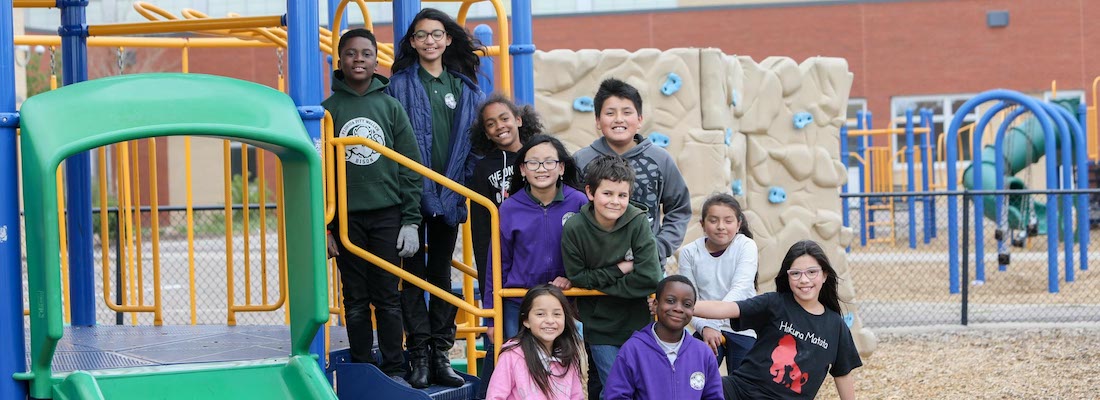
610, 247
383, 201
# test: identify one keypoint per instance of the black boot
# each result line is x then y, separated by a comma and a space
419, 373
442, 373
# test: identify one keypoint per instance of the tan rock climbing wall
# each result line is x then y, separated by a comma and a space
731, 128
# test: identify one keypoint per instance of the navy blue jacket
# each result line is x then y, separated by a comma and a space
437, 200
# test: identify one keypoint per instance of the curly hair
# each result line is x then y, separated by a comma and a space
458, 57
532, 123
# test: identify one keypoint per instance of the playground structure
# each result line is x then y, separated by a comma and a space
735, 134
741, 129
1017, 144
300, 377
1070, 140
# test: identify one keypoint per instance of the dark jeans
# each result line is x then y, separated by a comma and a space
430, 326
733, 351
365, 284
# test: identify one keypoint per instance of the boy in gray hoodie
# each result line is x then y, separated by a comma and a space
658, 183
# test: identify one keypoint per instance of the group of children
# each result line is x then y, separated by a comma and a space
605, 218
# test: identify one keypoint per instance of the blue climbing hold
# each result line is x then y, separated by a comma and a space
735, 97
738, 188
849, 318
802, 119
584, 104
660, 139
729, 136
777, 195
672, 84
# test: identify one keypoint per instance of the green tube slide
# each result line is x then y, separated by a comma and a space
1024, 145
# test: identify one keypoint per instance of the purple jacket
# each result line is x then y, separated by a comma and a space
642, 371
530, 240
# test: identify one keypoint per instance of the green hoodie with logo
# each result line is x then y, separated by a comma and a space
591, 255
373, 181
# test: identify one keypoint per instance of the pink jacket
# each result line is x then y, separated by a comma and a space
511, 380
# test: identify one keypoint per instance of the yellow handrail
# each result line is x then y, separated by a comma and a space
62, 231
231, 317
162, 42
125, 232
177, 26
884, 131
158, 319
34, 4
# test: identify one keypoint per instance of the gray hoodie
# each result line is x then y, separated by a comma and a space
657, 184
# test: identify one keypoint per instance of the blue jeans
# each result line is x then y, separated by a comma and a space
733, 351
603, 356
511, 319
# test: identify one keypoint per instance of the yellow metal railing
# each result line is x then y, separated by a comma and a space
470, 326
1093, 123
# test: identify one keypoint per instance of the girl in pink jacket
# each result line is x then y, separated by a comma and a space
543, 361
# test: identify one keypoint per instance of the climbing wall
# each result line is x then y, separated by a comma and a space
767, 132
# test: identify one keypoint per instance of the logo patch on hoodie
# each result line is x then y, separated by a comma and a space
365, 128
698, 380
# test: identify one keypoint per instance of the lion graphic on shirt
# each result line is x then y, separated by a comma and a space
784, 370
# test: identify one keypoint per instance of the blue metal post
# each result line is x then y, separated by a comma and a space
912, 201
343, 25
1083, 183
1066, 147
953, 176
523, 46
844, 160
930, 166
13, 357
403, 13
870, 164
484, 34
304, 62
861, 148
1077, 132
78, 171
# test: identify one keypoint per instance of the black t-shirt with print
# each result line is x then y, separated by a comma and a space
794, 348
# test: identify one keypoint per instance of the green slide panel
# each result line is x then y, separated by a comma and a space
87, 115
296, 378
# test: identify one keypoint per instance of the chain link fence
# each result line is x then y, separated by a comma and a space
256, 265
898, 285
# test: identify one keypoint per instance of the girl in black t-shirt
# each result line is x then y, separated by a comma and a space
801, 335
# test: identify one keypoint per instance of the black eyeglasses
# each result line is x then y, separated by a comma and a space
534, 165
810, 274
437, 34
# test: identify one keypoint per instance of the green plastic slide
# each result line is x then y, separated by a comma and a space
87, 115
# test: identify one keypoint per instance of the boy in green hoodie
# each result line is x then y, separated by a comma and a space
610, 247
383, 201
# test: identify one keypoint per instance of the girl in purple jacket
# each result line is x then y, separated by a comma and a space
543, 197
661, 361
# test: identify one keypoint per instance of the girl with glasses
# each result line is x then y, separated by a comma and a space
433, 79
500, 131
542, 198
801, 335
